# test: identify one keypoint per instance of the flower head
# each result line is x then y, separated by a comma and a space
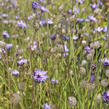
21, 24
53, 36
40, 76
15, 72
22, 61
106, 96
46, 106
94, 6
5, 34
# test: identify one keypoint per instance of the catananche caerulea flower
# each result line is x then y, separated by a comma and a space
53, 36
92, 18
33, 46
39, 75
75, 10
65, 50
22, 61
5, 34
15, 72
105, 61
94, 6
53, 81
80, 1
21, 24
87, 48
92, 78
5, 15
105, 29
44, 22
8, 46
106, 96
42, 8
98, 29
46, 106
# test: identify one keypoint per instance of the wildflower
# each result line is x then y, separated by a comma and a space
72, 101
40, 76
98, 29
106, 62
80, 1
65, 51
8, 46
5, 15
104, 29
106, 96
35, 5
33, 46
87, 48
53, 36
92, 78
15, 72
92, 18
65, 38
70, 11
22, 61
2, 44
75, 37
53, 81
5, 34
94, 6
80, 19
75, 10
46, 106
43, 9
21, 24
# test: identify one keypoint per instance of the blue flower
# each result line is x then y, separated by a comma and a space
15, 72
40, 76
75, 10
92, 18
106, 96
35, 5
5, 34
8, 46
80, 1
21, 24
94, 6
92, 78
53, 36
46, 106
22, 61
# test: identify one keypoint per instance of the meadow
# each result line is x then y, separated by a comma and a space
54, 54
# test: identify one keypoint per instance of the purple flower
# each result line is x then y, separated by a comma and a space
40, 76
92, 18
70, 11
92, 78
75, 38
53, 36
35, 5
15, 72
105, 29
5, 34
65, 38
80, 19
80, 1
43, 22
5, 15
8, 46
21, 24
42, 8
88, 49
106, 96
105, 61
33, 46
100, 2
75, 10
46, 106
50, 21
53, 81
94, 6
98, 29
22, 61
